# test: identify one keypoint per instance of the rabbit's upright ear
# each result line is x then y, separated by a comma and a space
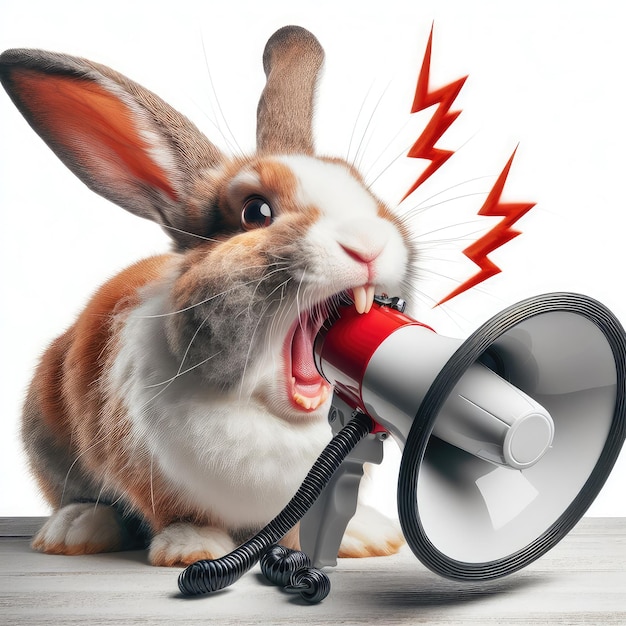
120, 139
292, 61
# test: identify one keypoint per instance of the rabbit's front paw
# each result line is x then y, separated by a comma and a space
370, 533
180, 544
84, 528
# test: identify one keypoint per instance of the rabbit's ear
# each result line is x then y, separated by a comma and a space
292, 61
123, 141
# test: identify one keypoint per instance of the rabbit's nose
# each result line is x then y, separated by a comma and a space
364, 242
361, 254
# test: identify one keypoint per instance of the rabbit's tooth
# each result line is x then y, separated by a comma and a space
360, 298
363, 298
369, 291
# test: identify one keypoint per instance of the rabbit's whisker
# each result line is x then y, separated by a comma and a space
169, 382
423, 241
206, 300
371, 182
267, 304
250, 346
231, 139
190, 234
462, 183
367, 136
421, 208
152, 483
349, 158
182, 372
90, 447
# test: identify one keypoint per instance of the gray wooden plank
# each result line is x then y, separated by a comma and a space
20, 526
581, 581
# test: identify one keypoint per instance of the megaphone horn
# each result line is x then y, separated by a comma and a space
508, 436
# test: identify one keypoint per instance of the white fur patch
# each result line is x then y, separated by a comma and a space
228, 455
184, 543
240, 185
80, 528
350, 245
331, 188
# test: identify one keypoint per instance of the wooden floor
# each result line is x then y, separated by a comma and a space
581, 581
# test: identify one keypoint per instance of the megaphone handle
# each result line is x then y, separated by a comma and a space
324, 525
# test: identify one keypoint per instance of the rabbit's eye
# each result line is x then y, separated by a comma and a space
256, 213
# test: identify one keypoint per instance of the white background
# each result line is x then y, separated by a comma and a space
546, 75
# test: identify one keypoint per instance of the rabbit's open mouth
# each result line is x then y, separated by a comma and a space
307, 389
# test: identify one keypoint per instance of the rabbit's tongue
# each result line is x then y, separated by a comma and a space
302, 363
309, 390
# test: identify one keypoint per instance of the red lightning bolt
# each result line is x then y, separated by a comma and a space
424, 147
500, 234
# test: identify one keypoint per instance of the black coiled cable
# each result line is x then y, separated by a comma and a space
279, 563
310, 583
293, 571
207, 576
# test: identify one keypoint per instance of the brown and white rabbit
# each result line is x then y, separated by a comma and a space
185, 394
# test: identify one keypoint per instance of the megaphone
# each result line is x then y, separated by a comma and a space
507, 436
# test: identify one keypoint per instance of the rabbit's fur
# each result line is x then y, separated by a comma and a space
185, 395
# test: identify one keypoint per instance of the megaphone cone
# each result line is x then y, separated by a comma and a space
508, 436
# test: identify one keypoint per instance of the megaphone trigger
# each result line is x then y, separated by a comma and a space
324, 525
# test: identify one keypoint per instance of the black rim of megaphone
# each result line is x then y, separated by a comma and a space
441, 388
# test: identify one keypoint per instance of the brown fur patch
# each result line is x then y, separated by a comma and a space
66, 393
48, 383
278, 179
85, 358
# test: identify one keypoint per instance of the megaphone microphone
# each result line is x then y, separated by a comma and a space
507, 436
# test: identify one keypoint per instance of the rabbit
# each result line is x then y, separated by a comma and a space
182, 408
